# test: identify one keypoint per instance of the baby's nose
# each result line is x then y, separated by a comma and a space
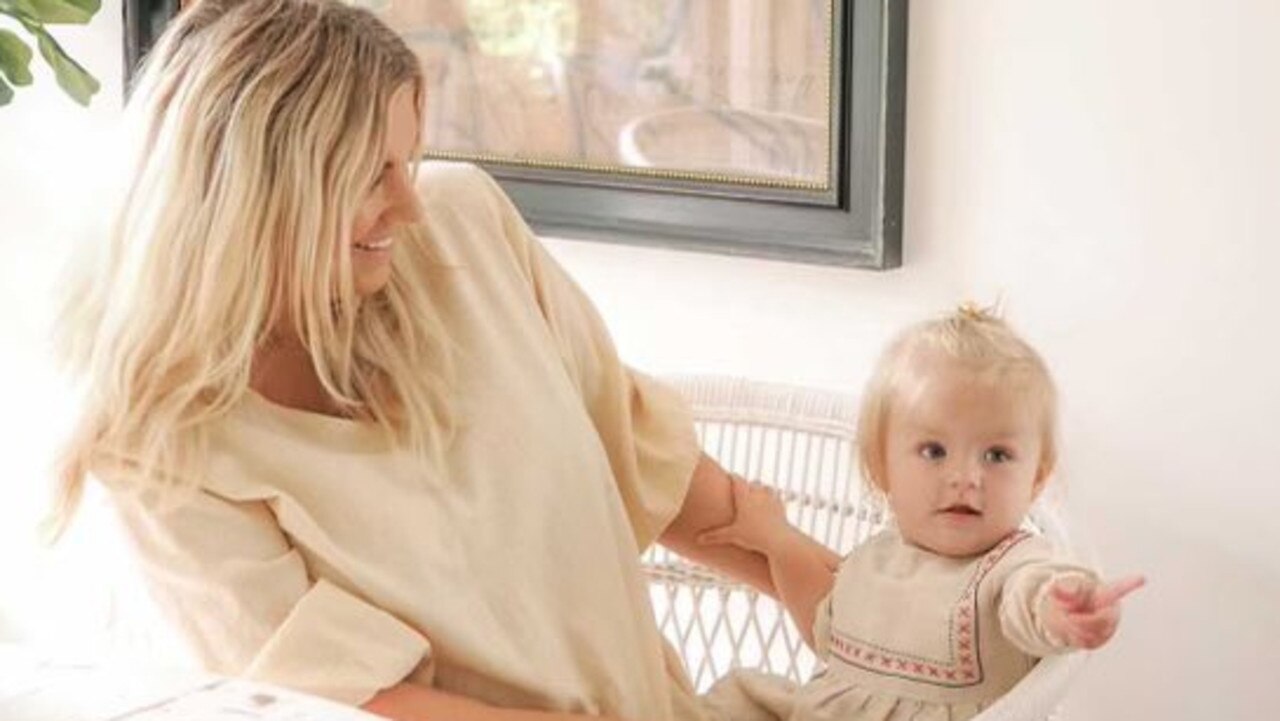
966, 476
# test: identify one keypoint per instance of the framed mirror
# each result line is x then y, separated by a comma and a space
768, 128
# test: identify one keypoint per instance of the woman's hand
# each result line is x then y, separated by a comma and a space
759, 522
1085, 615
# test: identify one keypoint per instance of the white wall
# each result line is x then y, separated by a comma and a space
50, 156
1112, 169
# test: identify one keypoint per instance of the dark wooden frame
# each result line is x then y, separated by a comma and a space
859, 224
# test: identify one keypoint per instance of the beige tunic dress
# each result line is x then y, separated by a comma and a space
319, 557
909, 634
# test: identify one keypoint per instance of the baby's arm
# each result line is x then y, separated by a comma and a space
1087, 616
1049, 607
802, 569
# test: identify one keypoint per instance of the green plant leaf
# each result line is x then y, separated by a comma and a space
56, 12
75, 80
89, 6
15, 58
6, 93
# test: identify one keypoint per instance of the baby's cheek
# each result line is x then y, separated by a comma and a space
1010, 514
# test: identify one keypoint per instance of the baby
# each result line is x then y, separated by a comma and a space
947, 609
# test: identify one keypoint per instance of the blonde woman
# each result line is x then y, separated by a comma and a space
369, 440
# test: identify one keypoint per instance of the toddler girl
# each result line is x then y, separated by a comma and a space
941, 613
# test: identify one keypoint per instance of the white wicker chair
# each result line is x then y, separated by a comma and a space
801, 441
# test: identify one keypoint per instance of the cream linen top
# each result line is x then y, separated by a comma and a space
910, 634
319, 557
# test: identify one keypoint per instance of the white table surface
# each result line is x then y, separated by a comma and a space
39, 688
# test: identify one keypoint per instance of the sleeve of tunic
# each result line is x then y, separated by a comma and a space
1034, 566
644, 426
240, 594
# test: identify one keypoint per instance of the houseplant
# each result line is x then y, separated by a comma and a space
16, 54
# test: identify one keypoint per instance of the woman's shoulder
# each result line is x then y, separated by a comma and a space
468, 216
459, 190
442, 178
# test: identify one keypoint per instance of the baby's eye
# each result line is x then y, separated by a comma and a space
932, 451
997, 455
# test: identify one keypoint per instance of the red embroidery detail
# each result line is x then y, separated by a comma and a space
967, 665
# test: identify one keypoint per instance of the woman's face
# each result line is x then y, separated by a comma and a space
391, 201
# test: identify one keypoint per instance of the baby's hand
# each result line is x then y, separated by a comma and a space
759, 519
1086, 615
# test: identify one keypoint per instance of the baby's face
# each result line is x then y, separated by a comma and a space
962, 460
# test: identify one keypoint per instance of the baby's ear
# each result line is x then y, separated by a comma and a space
1043, 473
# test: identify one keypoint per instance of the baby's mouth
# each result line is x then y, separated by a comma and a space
960, 509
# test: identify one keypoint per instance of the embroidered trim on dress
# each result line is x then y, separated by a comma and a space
963, 668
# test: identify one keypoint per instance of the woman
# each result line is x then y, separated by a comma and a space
368, 438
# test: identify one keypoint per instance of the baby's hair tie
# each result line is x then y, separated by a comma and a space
973, 312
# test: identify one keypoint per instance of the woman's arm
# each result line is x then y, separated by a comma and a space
709, 505
411, 702
241, 594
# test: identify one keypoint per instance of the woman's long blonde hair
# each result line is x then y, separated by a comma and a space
259, 130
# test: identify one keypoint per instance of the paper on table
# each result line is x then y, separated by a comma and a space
36, 689
233, 699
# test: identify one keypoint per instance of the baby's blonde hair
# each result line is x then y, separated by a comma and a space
978, 340
259, 128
